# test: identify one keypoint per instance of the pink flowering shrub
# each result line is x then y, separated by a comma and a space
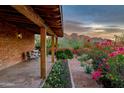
113, 54
96, 75
117, 51
108, 63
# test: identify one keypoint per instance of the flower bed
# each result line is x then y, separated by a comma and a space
59, 76
108, 63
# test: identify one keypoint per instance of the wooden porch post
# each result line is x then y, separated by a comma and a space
53, 51
56, 42
43, 53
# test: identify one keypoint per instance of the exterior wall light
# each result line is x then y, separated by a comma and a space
19, 35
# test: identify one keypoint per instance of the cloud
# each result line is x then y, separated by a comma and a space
111, 30
73, 22
109, 20
100, 31
111, 26
73, 26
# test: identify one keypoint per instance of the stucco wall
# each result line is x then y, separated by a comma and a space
11, 47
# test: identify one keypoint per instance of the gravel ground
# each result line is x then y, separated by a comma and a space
80, 78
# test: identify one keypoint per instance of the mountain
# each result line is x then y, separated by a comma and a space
81, 37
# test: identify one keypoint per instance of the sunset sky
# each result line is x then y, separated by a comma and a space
100, 21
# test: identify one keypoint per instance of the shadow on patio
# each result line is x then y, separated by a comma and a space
23, 75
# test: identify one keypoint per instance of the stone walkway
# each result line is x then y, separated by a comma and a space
23, 75
80, 78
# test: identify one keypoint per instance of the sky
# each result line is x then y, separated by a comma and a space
95, 21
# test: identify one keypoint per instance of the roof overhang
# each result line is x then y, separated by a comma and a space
34, 17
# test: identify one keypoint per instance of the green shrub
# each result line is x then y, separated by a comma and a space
83, 57
75, 44
88, 69
49, 42
112, 83
37, 42
69, 54
97, 56
80, 52
70, 43
64, 43
64, 54
116, 64
84, 60
117, 83
61, 55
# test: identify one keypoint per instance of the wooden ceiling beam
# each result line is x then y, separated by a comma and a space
55, 26
48, 10
49, 16
56, 9
51, 19
48, 13
12, 12
7, 10
51, 25
19, 20
9, 15
28, 12
46, 6
57, 21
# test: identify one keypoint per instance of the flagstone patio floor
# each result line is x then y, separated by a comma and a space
23, 75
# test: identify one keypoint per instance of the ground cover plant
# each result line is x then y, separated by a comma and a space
59, 76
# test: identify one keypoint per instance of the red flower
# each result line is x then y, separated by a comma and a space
100, 64
104, 59
96, 75
107, 66
88, 40
99, 69
113, 54
119, 49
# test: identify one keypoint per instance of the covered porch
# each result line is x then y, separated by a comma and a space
42, 20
